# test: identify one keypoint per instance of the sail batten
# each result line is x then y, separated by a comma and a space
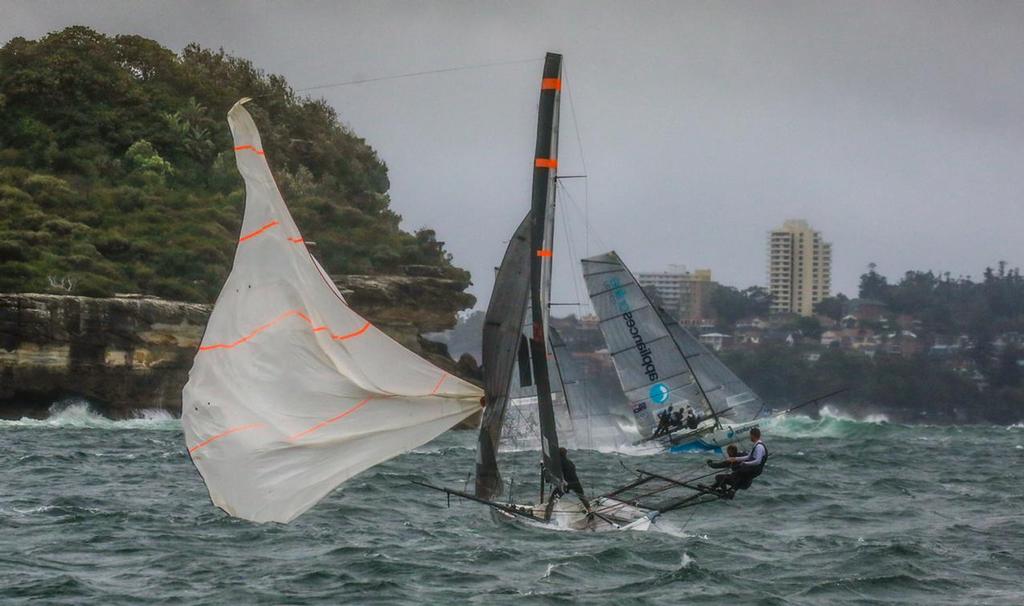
292, 392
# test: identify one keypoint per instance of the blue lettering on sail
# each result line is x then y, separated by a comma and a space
622, 304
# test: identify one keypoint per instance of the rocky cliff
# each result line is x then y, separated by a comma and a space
128, 353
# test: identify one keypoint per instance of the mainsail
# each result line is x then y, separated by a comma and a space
292, 392
652, 369
502, 334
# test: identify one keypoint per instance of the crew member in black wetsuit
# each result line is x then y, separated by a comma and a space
692, 421
664, 418
572, 481
744, 468
677, 420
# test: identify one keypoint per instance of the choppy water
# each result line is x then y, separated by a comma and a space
848, 512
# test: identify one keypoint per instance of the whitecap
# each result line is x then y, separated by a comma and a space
77, 413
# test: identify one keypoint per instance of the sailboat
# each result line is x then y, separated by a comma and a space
292, 392
661, 365
519, 350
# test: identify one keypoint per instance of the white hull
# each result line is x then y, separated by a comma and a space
568, 514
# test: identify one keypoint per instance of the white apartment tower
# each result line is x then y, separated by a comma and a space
799, 268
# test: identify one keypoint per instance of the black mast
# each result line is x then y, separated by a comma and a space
545, 167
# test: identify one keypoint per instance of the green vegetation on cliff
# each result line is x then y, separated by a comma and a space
117, 172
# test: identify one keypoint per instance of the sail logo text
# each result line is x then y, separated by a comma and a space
646, 358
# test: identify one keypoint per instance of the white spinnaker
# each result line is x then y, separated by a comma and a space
292, 392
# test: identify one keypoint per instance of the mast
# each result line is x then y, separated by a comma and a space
542, 207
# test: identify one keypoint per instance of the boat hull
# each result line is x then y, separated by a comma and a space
713, 440
567, 515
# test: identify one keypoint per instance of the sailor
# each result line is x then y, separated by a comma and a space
664, 419
692, 421
731, 452
744, 468
677, 420
572, 481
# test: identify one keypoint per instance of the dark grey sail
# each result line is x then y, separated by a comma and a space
502, 334
541, 235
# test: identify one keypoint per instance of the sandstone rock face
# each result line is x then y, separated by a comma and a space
129, 353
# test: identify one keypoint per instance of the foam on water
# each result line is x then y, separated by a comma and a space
78, 414
832, 423
93, 514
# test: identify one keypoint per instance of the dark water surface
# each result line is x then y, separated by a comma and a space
848, 512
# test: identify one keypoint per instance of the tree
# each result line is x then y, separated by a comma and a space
873, 285
117, 171
730, 304
832, 307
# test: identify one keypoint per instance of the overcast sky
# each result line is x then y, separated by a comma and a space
895, 128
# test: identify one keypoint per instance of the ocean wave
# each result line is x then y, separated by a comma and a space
832, 423
78, 414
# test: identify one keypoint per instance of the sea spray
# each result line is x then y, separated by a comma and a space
78, 413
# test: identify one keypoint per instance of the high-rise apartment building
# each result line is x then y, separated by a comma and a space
799, 268
684, 294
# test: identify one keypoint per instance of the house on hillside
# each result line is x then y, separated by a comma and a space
867, 310
715, 341
903, 343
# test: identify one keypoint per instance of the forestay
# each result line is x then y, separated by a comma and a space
651, 368
291, 392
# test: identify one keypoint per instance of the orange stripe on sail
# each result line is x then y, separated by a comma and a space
226, 433
243, 147
287, 314
298, 240
323, 424
551, 84
365, 328
444, 376
546, 163
259, 231
544, 252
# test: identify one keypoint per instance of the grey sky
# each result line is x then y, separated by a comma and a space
893, 127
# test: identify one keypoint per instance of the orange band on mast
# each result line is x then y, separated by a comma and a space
551, 84
544, 252
546, 163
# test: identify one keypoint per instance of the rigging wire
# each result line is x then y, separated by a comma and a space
583, 160
415, 74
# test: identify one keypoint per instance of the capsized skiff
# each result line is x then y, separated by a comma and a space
292, 392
